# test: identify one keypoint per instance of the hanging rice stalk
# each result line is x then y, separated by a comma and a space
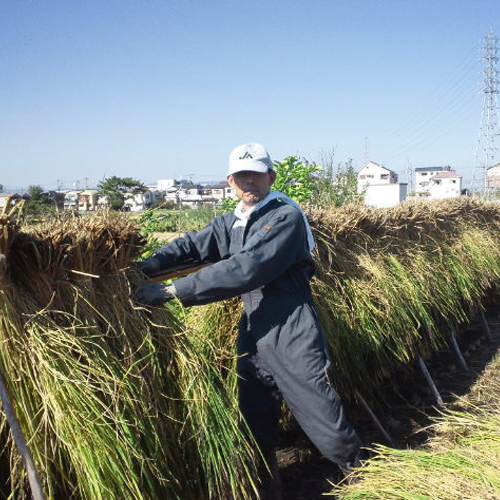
116, 401
391, 284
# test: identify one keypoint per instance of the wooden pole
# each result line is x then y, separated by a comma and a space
29, 465
431, 383
485, 323
178, 272
458, 352
375, 419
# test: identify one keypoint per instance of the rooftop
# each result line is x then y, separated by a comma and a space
447, 174
370, 162
431, 169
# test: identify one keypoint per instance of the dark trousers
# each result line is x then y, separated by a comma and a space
294, 368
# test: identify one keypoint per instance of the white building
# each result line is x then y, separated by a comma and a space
229, 192
86, 200
385, 195
71, 200
14, 198
141, 201
191, 196
423, 176
212, 194
380, 186
437, 182
165, 184
493, 177
446, 184
373, 173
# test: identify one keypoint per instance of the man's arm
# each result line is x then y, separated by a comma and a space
208, 245
265, 256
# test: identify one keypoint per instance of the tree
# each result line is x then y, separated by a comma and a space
35, 194
116, 190
336, 188
295, 178
38, 205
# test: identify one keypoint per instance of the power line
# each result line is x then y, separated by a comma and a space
453, 83
444, 111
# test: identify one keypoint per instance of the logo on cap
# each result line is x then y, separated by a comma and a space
246, 156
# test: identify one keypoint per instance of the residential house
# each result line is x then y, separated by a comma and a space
423, 176
437, 182
71, 200
191, 195
195, 195
173, 194
374, 173
493, 177
81, 201
214, 194
445, 184
87, 200
380, 186
141, 201
229, 192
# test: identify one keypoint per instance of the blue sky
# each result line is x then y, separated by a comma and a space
158, 89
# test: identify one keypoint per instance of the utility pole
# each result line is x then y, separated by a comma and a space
409, 175
488, 130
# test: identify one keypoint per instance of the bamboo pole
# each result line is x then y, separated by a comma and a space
458, 352
431, 383
29, 465
376, 421
485, 323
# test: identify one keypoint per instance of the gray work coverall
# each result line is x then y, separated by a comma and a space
281, 347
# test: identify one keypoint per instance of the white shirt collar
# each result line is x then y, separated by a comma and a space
244, 216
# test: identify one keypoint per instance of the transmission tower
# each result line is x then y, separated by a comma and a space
488, 131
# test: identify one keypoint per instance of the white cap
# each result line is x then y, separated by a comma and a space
249, 157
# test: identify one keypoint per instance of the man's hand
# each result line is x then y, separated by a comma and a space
154, 294
148, 266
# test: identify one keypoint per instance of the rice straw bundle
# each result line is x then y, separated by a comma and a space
392, 284
117, 401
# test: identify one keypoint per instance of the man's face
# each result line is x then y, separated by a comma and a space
251, 187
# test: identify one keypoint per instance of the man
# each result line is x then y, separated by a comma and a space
262, 251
